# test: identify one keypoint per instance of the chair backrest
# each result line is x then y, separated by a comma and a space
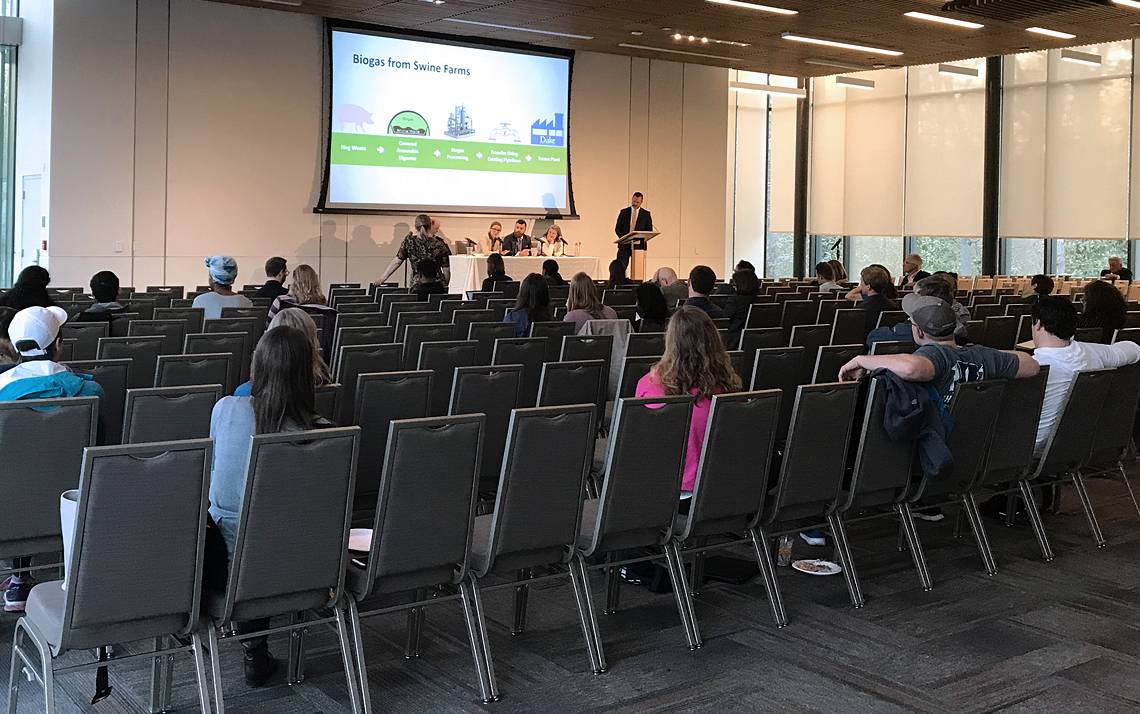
360, 319
382, 398
486, 333
121, 322
493, 392
387, 300
398, 309
828, 308
779, 368
798, 312
175, 291
232, 344
259, 314
565, 383
764, 315
143, 307
890, 318
553, 331
355, 360
1130, 334
169, 413
582, 347
1000, 333
192, 316
416, 335
830, 359
1010, 456
882, 465
373, 335
140, 533
443, 358
189, 370
326, 401
811, 338
1118, 417
356, 308
111, 375
757, 338
632, 370
247, 326
644, 464
975, 410
450, 306
645, 344
142, 351
986, 311
815, 457
1088, 334
462, 320
411, 549
418, 317
297, 501
539, 501
893, 347
1018, 309
619, 297
848, 327
86, 336
33, 476
1070, 445
530, 352
732, 478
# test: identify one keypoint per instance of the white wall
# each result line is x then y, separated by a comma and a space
182, 128
33, 108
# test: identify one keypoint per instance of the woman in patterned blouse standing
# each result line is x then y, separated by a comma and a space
419, 246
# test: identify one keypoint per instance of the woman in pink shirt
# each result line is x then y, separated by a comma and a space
695, 362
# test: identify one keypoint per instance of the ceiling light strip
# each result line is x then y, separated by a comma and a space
768, 89
1050, 33
840, 44
1079, 57
518, 29
958, 70
942, 19
833, 63
629, 46
1134, 4
855, 83
755, 6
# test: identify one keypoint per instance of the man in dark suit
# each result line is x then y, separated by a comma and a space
517, 243
633, 218
912, 270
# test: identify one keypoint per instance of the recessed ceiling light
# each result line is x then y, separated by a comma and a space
629, 46
518, 29
838, 43
767, 89
855, 83
636, 33
678, 36
1134, 4
832, 63
1089, 58
944, 20
666, 29
1050, 33
958, 70
755, 6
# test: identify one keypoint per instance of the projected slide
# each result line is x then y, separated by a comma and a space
419, 125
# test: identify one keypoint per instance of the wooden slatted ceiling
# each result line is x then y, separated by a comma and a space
877, 23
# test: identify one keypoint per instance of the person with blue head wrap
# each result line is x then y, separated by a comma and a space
223, 271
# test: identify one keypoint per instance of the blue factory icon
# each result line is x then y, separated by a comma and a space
548, 133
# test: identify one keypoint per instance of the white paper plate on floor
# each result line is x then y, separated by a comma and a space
360, 540
817, 567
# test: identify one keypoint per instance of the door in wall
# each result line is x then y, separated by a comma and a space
32, 225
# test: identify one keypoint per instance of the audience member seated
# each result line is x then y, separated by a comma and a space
223, 272
652, 312
583, 304
1116, 270
430, 279
747, 287
838, 270
8, 354
873, 292
825, 276
298, 320
1054, 324
912, 270
532, 305
276, 271
1039, 286
105, 289
935, 286
673, 289
282, 400
617, 279
304, 289
702, 279
1105, 308
744, 265
34, 333
30, 290
496, 273
550, 273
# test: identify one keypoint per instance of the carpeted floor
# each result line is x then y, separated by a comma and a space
1060, 636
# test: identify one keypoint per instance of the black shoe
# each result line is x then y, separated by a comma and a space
260, 666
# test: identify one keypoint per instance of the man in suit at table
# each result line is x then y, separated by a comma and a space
632, 218
517, 243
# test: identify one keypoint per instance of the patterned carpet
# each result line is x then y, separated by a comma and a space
1063, 636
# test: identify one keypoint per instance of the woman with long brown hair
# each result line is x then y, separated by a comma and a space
583, 304
298, 320
304, 289
532, 304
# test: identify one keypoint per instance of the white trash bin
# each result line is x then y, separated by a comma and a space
68, 507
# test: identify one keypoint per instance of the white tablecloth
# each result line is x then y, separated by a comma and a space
468, 271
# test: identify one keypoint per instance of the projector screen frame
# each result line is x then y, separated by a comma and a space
332, 25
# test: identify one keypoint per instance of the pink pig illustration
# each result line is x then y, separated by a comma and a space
352, 114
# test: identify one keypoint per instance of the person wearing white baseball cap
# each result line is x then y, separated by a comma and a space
34, 333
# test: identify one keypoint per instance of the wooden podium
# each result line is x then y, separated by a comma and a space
637, 260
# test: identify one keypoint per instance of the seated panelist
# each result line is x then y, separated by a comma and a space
517, 243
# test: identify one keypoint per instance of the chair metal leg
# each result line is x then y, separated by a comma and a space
473, 640
906, 522
295, 671
585, 601
1127, 485
484, 639
1086, 504
15, 673
958, 524
843, 548
1011, 509
613, 587
356, 632
970, 506
768, 571
346, 657
697, 574
522, 590
1035, 520
681, 594
200, 672
156, 678
415, 623
214, 643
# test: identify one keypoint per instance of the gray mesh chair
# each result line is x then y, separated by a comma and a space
798, 312
538, 507
830, 359
827, 310
86, 336
169, 413
486, 333
893, 347
530, 352
764, 315
450, 306
124, 583
143, 353
346, 336
499, 307
355, 308
175, 291
142, 307
638, 500
248, 326
732, 483
418, 317
1000, 333
121, 321
192, 316
759, 338
1129, 334
986, 310
553, 332
565, 383
189, 370
645, 344
442, 358
360, 319
355, 360
220, 343
811, 338
493, 392
416, 335
326, 400
576, 348
387, 300
297, 500
111, 375
847, 327
67, 349
396, 310
632, 370
381, 399
411, 553
890, 318
779, 368
462, 319
1114, 432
